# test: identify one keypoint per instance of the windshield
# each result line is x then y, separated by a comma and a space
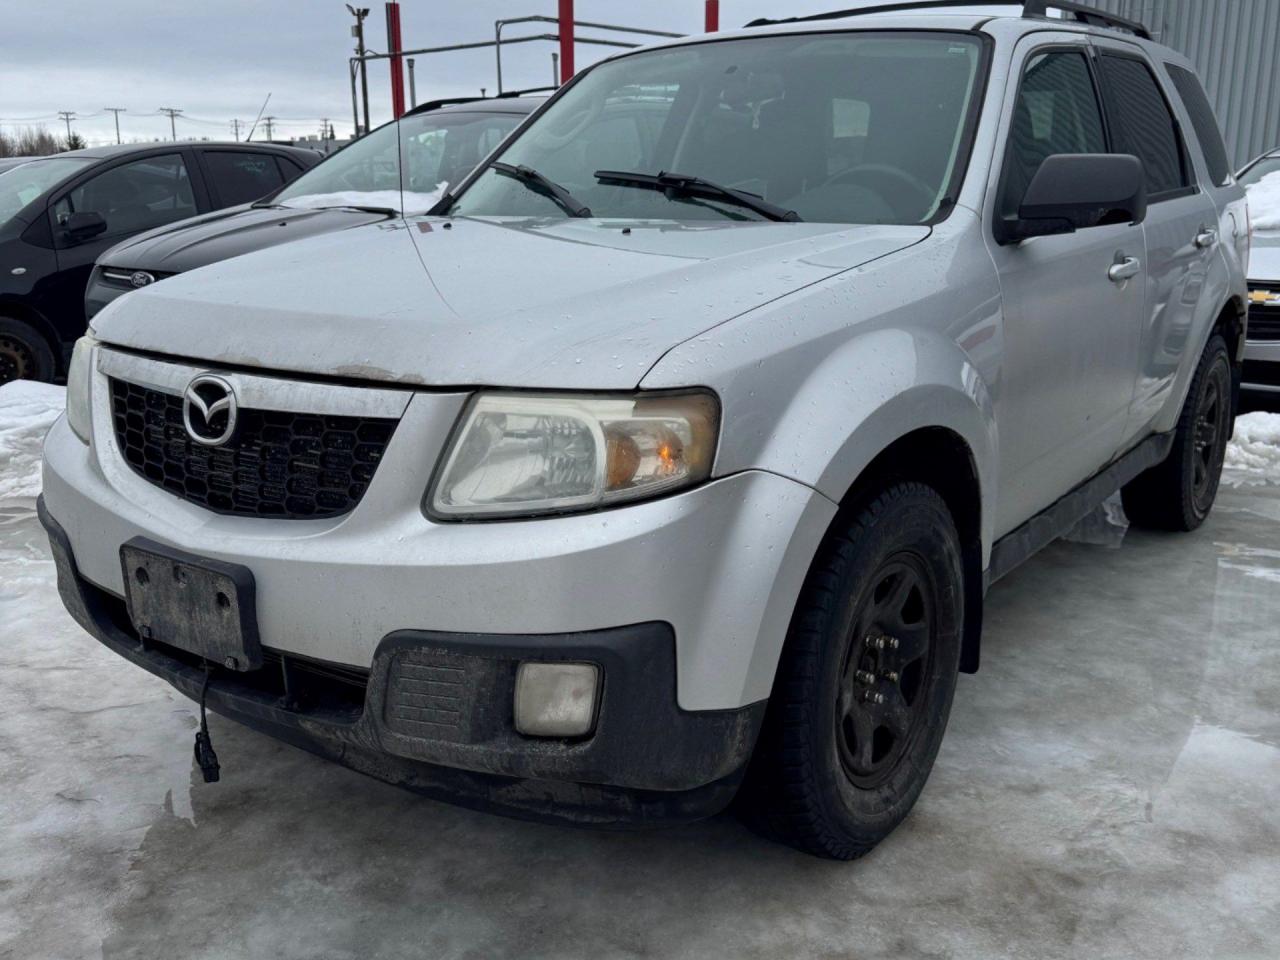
1263, 168
22, 184
437, 149
837, 128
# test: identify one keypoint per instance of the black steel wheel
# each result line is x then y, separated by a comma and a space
880, 710
865, 680
23, 353
1179, 493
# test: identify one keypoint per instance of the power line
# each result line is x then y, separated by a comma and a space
171, 112
117, 111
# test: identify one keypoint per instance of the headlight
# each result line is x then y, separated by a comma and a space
523, 454
78, 377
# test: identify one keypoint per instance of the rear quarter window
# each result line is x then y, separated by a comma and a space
1203, 120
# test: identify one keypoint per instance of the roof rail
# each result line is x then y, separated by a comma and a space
1030, 8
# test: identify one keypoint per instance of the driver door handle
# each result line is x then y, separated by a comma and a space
1124, 269
1206, 238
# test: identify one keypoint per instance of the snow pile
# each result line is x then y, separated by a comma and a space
414, 203
27, 411
1254, 451
1264, 202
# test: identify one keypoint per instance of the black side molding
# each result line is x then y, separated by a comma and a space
1019, 545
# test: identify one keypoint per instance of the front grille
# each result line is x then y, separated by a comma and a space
277, 465
1264, 322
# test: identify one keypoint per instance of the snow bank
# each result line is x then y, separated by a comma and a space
1264, 202
1254, 451
414, 203
27, 411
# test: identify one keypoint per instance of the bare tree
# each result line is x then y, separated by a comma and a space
29, 142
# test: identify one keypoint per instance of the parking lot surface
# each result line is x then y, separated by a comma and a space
1109, 787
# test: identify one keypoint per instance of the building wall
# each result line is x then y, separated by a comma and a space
1235, 45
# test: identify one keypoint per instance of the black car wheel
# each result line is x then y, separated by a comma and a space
23, 353
866, 679
1179, 493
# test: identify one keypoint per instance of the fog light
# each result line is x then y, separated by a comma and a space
556, 699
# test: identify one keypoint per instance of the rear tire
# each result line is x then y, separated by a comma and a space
24, 355
1179, 493
866, 679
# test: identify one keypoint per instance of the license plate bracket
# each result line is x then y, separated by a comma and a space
203, 606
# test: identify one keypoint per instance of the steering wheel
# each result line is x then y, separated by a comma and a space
878, 176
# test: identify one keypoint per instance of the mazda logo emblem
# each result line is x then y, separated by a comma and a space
209, 410
140, 278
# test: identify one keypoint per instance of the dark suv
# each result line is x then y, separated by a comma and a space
57, 214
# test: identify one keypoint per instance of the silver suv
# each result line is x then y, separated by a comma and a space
669, 460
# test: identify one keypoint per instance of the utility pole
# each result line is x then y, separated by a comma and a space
67, 115
117, 111
172, 113
268, 122
358, 32
324, 128
235, 130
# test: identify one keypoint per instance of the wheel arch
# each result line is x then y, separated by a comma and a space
941, 458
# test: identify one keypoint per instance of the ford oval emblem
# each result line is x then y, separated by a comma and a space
140, 278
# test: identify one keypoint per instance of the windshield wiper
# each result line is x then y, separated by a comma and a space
385, 211
679, 183
536, 182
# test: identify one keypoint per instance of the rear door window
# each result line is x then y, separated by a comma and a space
240, 176
1203, 120
1143, 125
133, 196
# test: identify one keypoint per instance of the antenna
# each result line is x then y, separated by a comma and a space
259, 117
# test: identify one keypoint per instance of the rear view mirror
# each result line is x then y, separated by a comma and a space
80, 227
1075, 191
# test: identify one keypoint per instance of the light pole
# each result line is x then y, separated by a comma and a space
358, 32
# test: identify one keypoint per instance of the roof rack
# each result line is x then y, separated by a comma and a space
1030, 8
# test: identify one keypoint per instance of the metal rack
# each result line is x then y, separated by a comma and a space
1037, 9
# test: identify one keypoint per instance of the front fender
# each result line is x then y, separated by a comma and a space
816, 385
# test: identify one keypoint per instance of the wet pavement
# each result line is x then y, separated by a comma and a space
1109, 788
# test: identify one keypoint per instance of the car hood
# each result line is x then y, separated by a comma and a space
1264, 256
195, 242
561, 304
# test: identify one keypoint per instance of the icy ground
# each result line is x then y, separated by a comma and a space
1108, 788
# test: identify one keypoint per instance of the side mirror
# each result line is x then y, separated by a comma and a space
80, 227
1075, 191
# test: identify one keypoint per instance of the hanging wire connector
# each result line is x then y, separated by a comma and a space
206, 759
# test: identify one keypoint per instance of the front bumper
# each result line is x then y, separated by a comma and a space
1262, 366
647, 761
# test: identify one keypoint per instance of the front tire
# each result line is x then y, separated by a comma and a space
24, 355
1179, 493
866, 679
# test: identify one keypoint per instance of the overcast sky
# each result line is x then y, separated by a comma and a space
218, 59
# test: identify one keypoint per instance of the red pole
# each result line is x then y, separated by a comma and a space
394, 46
566, 40
713, 16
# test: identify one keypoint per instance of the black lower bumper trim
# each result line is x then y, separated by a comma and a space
648, 762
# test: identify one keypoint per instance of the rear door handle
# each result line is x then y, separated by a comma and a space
1206, 238
1124, 269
